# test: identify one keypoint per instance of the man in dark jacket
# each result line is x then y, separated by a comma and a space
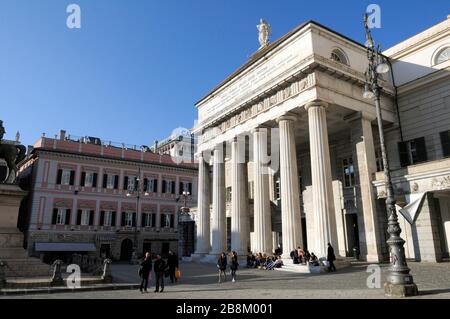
144, 272
331, 258
172, 262
160, 268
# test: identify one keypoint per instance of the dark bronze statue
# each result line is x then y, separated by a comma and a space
12, 153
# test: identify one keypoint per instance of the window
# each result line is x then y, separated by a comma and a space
130, 183
349, 172
65, 177
152, 186
85, 214
185, 187
228, 194
89, 179
442, 56
339, 56
148, 220
110, 181
61, 217
379, 160
445, 141
108, 218
168, 187
167, 220
412, 152
128, 219
277, 190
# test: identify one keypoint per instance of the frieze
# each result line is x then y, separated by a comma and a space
441, 183
248, 112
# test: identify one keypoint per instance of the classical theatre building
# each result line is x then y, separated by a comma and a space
289, 153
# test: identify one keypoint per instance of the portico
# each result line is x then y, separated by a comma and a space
289, 119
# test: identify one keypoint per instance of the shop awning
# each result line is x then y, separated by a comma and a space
65, 247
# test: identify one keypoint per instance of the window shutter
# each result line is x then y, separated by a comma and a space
153, 220
94, 180
163, 220
123, 219
445, 141
145, 184
136, 184
180, 191
164, 186
143, 220
190, 188
134, 219
421, 149
55, 215
67, 216
172, 221
105, 180
72, 178
116, 181
79, 217
155, 185
113, 219
91, 217
83, 178
173, 187
59, 177
125, 183
403, 152
102, 218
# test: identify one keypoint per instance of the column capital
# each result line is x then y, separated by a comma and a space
259, 127
316, 103
288, 116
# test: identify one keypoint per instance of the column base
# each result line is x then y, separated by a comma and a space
402, 290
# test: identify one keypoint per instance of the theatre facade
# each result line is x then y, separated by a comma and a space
289, 153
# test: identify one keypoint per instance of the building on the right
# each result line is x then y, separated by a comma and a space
420, 143
289, 154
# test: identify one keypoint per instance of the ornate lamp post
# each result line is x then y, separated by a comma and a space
137, 191
399, 280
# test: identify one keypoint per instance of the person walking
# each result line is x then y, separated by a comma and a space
331, 257
160, 268
222, 265
234, 265
144, 272
172, 262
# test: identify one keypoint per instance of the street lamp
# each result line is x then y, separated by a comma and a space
183, 228
138, 191
399, 280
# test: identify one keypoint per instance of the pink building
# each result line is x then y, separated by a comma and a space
94, 198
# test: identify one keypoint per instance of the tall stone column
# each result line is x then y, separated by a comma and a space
219, 220
322, 189
362, 141
262, 211
203, 220
290, 196
240, 230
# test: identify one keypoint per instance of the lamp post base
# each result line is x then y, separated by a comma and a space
400, 290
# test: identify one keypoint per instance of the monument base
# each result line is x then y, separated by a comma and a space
12, 254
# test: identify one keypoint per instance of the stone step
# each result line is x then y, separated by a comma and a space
26, 267
13, 253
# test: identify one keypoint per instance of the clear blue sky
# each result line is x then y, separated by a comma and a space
134, 70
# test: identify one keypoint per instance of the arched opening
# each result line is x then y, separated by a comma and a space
339, 56
442, 55
126, 250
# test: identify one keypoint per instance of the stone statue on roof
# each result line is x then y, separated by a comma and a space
12, 153
265, 31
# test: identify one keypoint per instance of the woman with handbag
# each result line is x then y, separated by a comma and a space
234, 265
144, 272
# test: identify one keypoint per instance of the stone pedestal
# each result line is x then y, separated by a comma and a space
12, 253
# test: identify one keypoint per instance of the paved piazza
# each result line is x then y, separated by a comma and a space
200, 281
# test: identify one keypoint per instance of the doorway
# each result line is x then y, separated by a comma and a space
146, 248
351, 221
126, 250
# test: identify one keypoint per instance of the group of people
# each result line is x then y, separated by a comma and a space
222, 263
160, 268
303, 256
263, 261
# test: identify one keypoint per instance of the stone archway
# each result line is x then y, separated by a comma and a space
126, 250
